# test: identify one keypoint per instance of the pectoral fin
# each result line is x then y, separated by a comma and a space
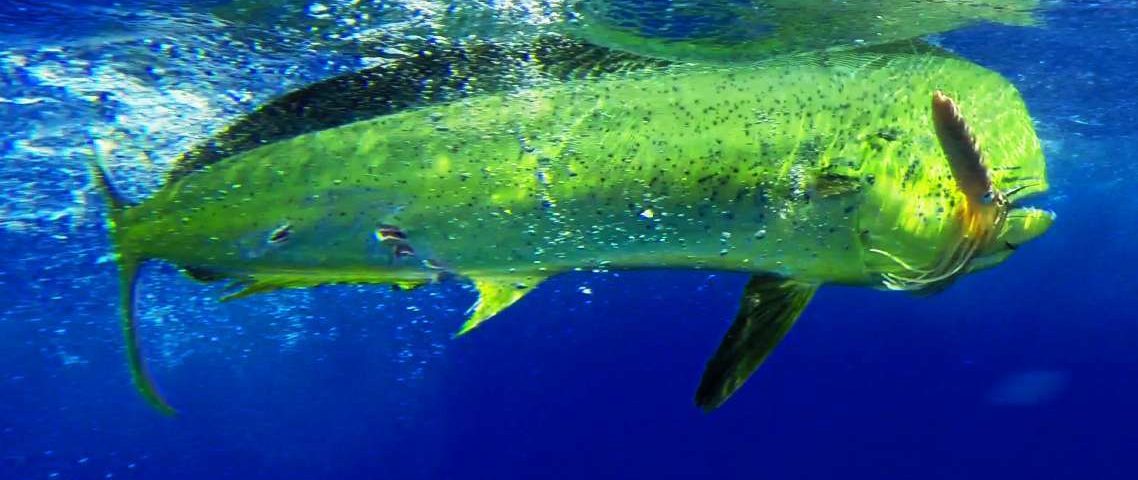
770, 306
495, 294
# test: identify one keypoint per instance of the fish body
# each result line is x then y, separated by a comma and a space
802, 171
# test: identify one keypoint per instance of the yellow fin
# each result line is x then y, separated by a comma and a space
495, 294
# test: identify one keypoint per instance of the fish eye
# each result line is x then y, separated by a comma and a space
987, 198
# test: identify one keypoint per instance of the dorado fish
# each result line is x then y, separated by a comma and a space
896, 172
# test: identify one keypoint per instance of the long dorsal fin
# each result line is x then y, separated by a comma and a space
442, 72
495, 294
770, 306
439, 72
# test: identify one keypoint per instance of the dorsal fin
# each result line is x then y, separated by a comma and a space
454, 71
437, 73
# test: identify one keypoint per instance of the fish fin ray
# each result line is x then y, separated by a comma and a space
770, 306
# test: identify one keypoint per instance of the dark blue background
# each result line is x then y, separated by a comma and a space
569, 385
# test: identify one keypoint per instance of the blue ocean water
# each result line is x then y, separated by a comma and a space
1028, 370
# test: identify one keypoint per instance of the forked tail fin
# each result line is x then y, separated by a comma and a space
128, 264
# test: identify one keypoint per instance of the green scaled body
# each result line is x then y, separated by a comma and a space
803, 170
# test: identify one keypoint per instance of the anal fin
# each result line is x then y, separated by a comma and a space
770, 306
495, 294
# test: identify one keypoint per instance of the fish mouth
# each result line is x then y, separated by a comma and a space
1022, 224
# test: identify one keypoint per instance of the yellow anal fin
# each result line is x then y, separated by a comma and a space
495, 294
770, 306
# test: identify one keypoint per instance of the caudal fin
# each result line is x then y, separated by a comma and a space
128, 264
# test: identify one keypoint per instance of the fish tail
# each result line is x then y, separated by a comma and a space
128, 266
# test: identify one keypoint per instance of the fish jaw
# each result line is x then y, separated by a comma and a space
1022, 225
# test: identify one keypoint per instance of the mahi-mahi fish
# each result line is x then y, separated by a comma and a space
898, 171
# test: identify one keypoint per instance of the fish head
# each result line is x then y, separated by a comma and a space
994, 176
964, 212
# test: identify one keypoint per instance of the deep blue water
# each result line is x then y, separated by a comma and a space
1029, 370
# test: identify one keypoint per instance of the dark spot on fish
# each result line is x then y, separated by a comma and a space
280, 234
